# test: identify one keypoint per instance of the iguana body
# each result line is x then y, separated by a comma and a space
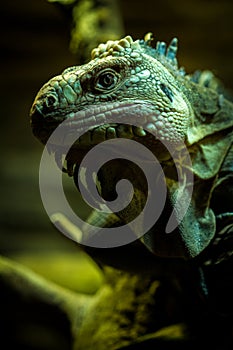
172, 111
131, 78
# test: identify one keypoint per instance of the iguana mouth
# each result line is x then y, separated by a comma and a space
86, 128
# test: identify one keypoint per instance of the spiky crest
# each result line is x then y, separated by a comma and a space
127, 46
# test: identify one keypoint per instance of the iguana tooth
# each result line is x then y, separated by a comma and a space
124, 131
98, 135
111, 132
139, 131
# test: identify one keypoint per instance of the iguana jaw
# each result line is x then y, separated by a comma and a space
138, 113
138, 120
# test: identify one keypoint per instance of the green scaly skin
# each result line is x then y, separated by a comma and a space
131, 77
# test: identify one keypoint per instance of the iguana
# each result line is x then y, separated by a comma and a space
171, 111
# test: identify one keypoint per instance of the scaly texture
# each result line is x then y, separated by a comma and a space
132, 78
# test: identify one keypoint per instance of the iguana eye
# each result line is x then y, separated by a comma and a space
106, 80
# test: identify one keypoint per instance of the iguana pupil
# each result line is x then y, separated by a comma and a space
106, 80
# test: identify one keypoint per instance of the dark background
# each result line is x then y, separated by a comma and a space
34, 47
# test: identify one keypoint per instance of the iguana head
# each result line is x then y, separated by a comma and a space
123, 77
